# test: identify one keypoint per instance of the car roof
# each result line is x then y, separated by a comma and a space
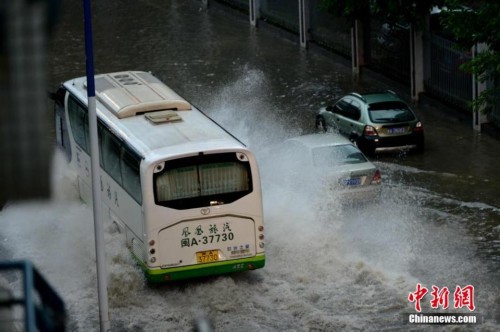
377, 97
320, 139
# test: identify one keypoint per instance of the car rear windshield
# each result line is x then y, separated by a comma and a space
390, 112
198, 181
336, 155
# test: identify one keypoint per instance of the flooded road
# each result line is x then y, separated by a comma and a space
328, 268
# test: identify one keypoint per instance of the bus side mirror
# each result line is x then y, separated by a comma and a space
329, 108
58, 96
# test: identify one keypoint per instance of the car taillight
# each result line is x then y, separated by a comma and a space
418, 127
377, 177
369, 131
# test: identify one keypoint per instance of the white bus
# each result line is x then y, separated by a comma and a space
184, 191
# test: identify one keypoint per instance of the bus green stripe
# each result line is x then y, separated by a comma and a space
202, 270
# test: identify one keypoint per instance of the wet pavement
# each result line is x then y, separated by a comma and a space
199, 58
327, 269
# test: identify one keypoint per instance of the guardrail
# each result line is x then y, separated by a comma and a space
43, 309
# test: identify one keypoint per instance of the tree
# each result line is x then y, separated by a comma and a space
470, 22
411, 11
351, 9
473, 23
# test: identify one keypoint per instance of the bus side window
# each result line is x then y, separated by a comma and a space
79, 123
130, 174
111, 155
100, 131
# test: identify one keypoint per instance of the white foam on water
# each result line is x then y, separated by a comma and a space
245, 109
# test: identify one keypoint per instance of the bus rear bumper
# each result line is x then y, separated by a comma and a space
203, 270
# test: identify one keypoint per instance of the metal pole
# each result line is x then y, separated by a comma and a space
416, 63
303, 22
29, 307
477, 88
412, 63
253, 12
96, 193
354, 48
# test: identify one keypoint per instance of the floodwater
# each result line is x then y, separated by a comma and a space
328, 267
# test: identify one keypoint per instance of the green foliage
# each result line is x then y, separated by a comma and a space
350, 9
487, 100
473, 23
407, 11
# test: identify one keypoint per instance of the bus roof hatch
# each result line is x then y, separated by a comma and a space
131, 93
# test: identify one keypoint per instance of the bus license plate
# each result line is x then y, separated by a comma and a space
207, 256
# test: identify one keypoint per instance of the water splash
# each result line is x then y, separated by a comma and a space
327, 267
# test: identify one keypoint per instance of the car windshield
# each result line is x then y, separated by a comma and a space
390, 112
336, 155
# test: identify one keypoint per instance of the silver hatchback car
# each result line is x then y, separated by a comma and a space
334, 159
377, 122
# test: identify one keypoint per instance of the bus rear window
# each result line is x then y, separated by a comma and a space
203, 180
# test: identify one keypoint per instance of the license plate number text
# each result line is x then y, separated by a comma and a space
396, 130
352, 182
207, 256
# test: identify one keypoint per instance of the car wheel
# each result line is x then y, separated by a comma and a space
354, 137
420, 146
320, 124
368, 150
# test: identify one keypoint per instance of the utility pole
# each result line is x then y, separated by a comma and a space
95, 169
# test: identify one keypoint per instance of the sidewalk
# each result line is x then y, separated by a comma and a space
462, 116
